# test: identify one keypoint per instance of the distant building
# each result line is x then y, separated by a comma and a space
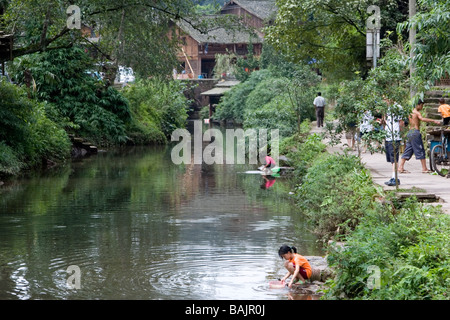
197, 54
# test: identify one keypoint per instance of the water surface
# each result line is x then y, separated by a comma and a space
140, 227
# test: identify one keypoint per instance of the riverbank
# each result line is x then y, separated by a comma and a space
395, 248
417, 182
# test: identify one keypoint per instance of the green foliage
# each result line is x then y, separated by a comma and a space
408, 242
411, 249
98, 112
303, 151
346, 110
389, 79
27, 135
10, 164
233, 103
40, 26
335, 193
244, 67
157, 108
384, 91
432, 49
331, 34
302, 91
275, 114
269, 100
225, 65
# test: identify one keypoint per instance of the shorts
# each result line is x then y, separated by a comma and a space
414, 145
446, 121
389, 146
303, 273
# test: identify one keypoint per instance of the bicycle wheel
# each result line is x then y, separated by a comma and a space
440, 160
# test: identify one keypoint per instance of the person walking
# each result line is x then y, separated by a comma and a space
319, 104
414, 144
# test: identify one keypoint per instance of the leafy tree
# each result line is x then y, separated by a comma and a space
132, 32
28, 136
432, 49
232, 105
301, 92
59, 77
157, 107
330, 34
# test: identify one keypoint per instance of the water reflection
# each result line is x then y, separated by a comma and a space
140, 227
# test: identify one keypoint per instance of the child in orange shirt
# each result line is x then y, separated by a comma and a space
297, 265
444, 109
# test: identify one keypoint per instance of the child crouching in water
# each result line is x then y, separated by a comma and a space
297, 265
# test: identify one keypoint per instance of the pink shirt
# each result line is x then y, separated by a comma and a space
270, 160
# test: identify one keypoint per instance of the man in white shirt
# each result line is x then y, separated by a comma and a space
393, 124
319, 104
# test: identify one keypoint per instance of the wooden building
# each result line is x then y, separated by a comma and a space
254, 13
197, 54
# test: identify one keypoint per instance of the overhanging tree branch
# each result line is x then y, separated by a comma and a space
42, 45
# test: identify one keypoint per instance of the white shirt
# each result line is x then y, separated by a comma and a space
393, 126
319, 101
366, 124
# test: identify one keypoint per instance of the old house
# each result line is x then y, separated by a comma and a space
197, 54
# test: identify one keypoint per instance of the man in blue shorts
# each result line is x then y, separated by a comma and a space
414, 143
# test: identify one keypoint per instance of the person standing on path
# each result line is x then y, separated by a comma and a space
319, 104
392, 125
444, 110
414, 144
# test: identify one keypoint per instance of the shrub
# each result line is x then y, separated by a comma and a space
10, 164
233, 103
335, 193
276, 114
411, 250
157, 109
27, 135
302, 150
98, 112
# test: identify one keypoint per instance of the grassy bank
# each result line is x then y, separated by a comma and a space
394, 250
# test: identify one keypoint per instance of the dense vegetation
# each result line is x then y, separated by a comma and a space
279, 95
28, 135
57, 96
92, 109
407, 243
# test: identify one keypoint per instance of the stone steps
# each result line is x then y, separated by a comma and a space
81, 147
431, 101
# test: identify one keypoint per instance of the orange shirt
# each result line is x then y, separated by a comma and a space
302, 262
444, 109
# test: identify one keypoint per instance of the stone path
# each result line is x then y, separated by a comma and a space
381, 172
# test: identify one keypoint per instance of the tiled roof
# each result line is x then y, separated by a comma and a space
264, 9
220, 35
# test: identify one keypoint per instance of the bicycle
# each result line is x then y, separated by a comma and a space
440, 154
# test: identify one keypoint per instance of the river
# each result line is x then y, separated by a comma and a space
136, 226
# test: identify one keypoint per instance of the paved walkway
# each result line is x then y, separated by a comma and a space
381, 172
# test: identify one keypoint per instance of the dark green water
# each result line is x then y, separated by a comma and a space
140, 227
